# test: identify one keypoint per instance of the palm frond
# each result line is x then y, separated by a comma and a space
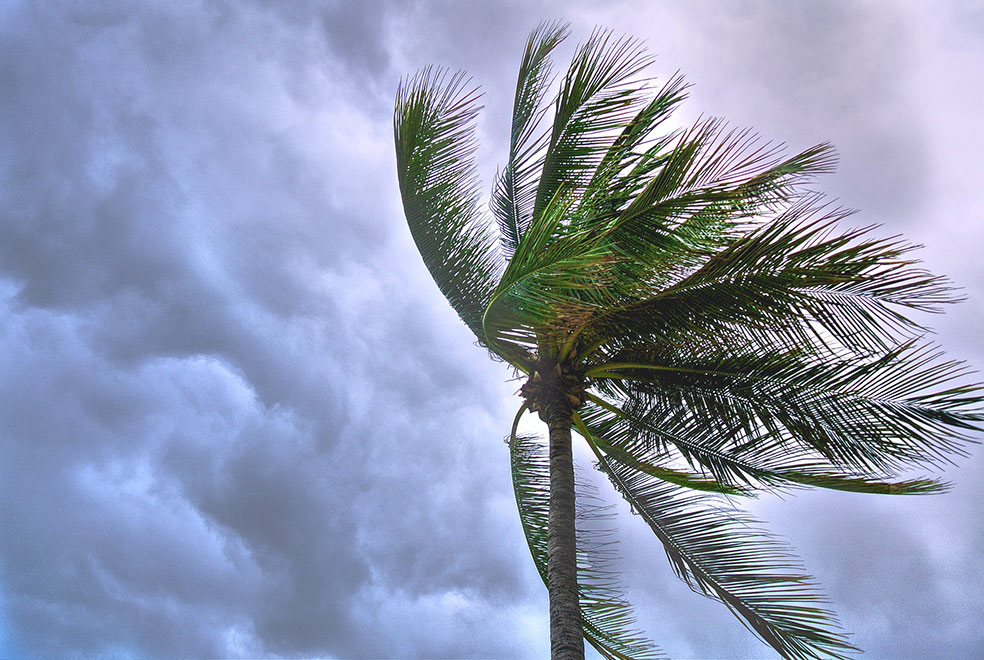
904, 408
710, 178
597, 98
646, 461
607, 618
434, 132
722, 554
657, 435
693, 202
555, 276
624, 170
515, 188
795, 278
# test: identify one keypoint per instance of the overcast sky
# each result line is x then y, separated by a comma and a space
237, 418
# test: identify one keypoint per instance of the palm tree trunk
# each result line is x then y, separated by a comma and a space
566, 638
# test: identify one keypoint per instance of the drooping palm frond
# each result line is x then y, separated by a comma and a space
434, 130
515, 188
607, 617
601, 429
722, 554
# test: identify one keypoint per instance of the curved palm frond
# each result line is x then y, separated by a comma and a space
515, 188
656, 435
628, 453
613, 248
793, 278
880, 415
599, 96
546, 290
722, 554
434, 130
624, 169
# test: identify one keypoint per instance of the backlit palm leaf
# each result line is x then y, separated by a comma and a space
878, 415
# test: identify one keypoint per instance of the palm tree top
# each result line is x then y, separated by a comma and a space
697, 312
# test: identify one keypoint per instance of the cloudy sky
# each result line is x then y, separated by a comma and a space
238, 419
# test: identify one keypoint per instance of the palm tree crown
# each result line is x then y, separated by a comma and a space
691, 308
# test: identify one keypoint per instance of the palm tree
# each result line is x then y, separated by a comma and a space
690, 307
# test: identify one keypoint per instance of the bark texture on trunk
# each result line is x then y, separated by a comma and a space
566, 638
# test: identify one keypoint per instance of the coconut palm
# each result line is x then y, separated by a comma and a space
692, 309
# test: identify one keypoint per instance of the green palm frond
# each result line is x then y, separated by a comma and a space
561, 278
731, 172
721, 553
633, 252
624, 169
607, 617
434, 130
627, 452
515, 188
599, 96
658, 436
877, 415
793, 277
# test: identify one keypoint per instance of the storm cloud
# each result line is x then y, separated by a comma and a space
238, 419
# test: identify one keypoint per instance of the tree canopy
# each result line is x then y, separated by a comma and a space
715, 327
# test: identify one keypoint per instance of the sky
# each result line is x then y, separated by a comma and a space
237, 418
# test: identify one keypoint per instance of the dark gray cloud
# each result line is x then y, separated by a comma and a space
207, 366
236, 417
